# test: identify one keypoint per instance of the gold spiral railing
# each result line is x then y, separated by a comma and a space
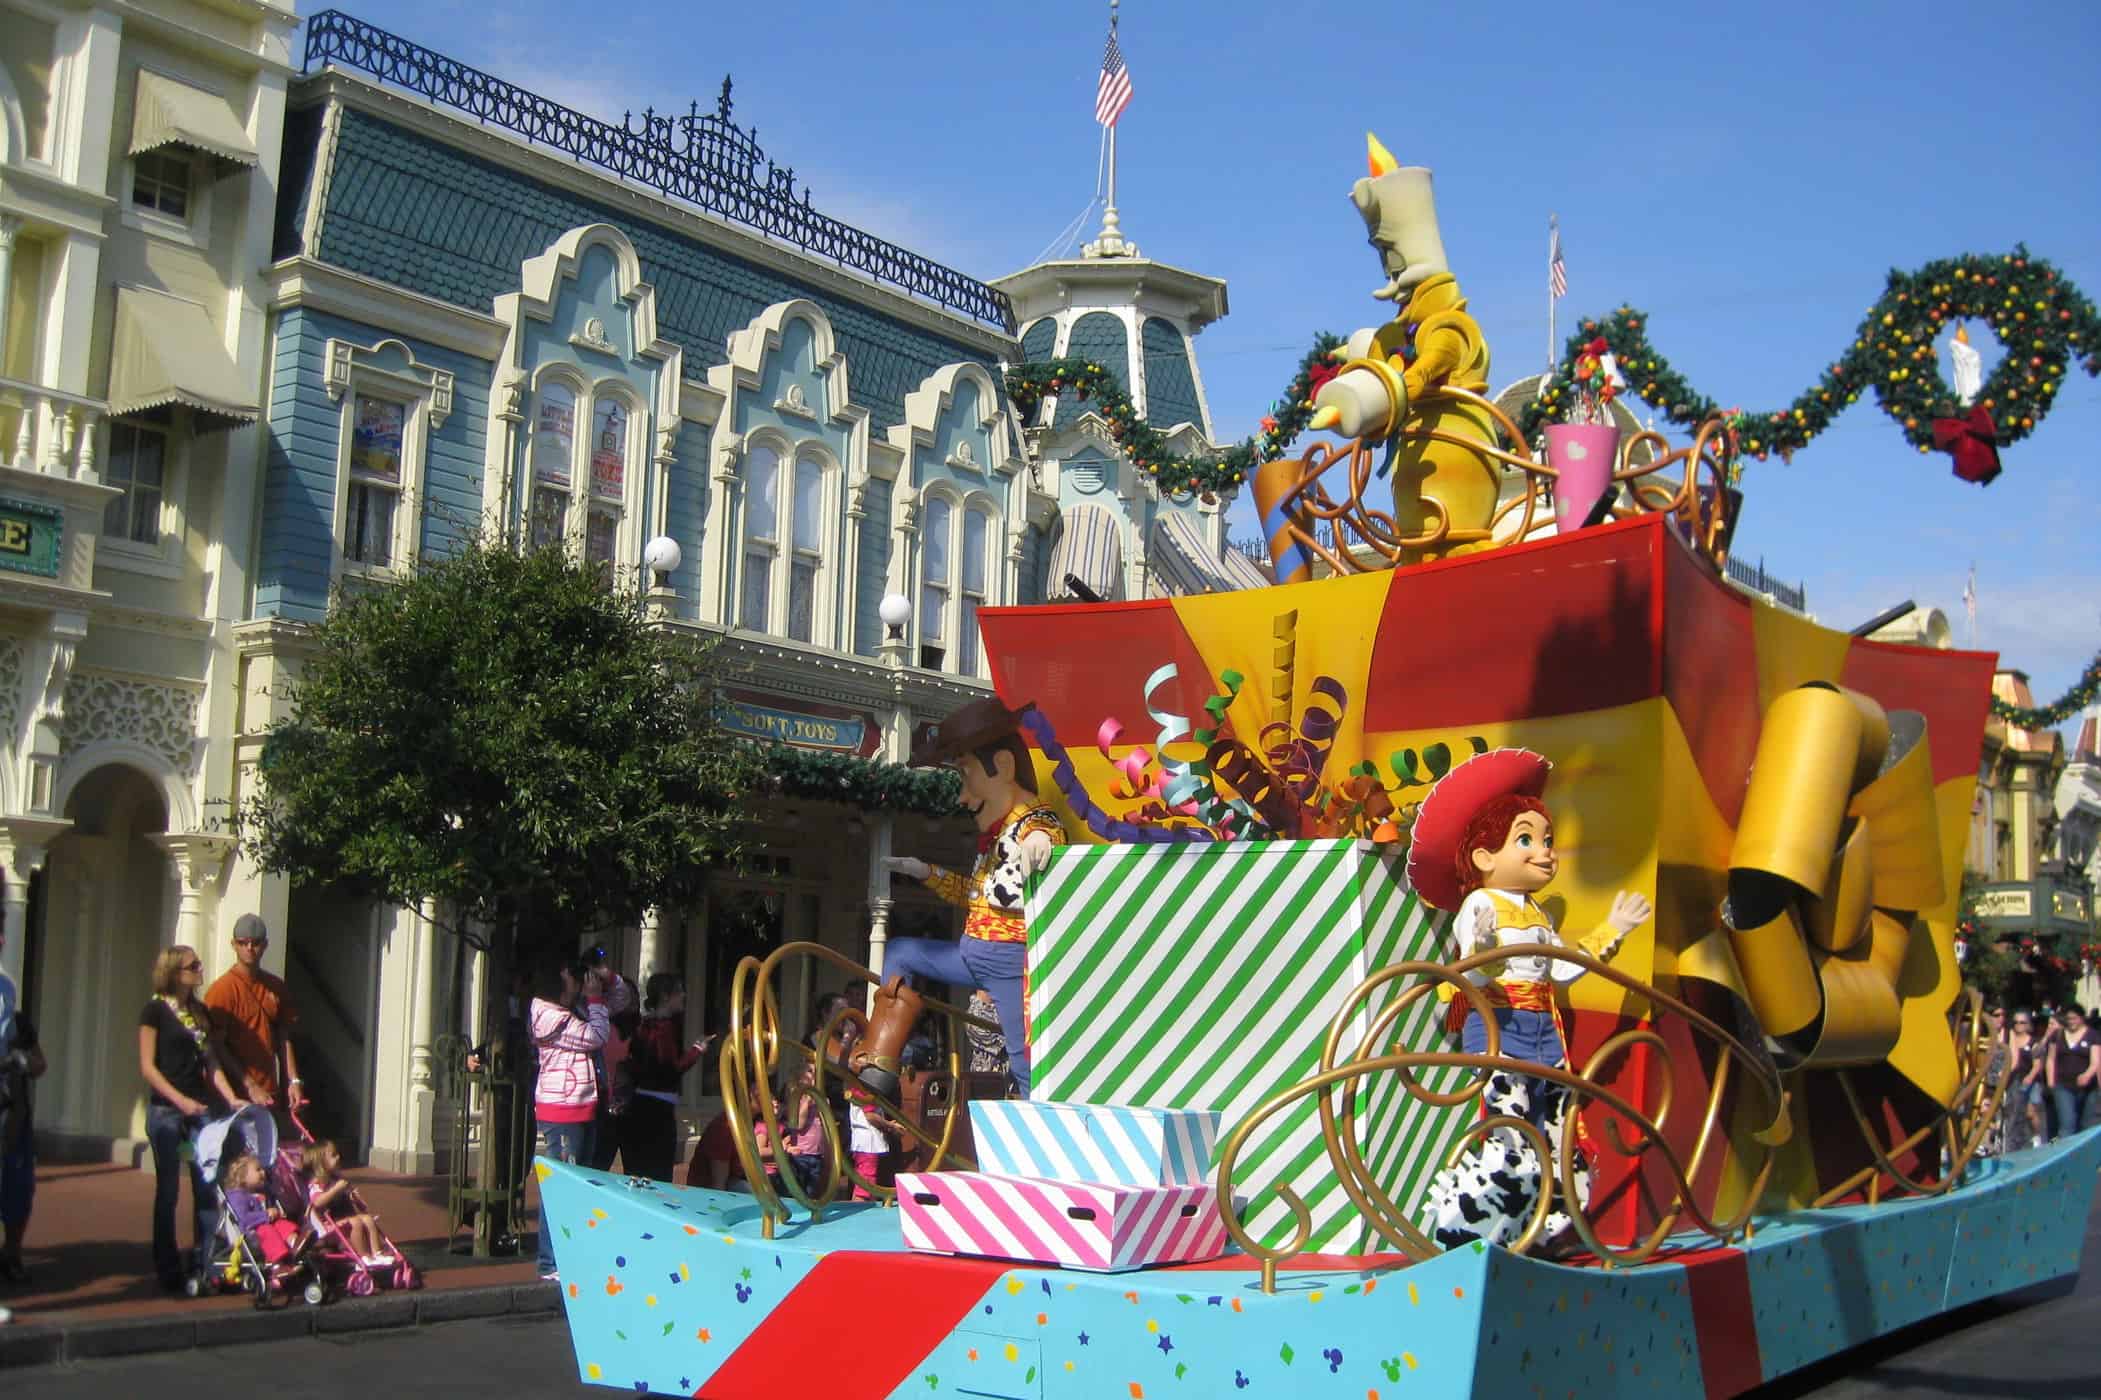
1378, 534
753, 1054
1344, 1069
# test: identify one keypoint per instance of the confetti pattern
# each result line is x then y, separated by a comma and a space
672, 1282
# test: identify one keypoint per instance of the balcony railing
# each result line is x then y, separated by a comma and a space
701, 158
1755, 578
44, 430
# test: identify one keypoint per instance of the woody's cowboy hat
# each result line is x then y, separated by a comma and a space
1441, 822
970, 728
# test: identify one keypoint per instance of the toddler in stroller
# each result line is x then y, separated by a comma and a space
351, 1242
255, 1246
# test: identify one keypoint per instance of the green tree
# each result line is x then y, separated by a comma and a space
501, 737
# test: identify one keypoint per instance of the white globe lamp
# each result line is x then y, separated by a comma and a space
662, 555
895, 610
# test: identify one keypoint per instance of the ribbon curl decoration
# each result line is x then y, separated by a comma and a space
1836, 853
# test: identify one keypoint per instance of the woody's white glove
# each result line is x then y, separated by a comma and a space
1036, 848
907, 865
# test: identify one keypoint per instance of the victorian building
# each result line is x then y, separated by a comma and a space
139, 148
2014, 828
271, 332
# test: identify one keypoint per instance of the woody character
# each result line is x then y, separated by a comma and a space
1016, 834
1483, 847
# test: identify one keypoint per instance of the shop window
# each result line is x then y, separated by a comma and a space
608, 494
807, 554
955, 580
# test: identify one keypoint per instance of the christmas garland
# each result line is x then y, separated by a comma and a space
2045, 324
2070, 703
1029, 384
866, 783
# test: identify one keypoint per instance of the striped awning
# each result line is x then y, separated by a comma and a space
166, 351
1090, 550
1183, 564
171, 113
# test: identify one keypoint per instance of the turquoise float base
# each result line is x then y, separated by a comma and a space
675, 1291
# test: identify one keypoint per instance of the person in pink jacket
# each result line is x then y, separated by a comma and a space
568, 1023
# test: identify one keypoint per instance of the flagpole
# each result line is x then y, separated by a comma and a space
1111, 243
1111, 221
1553, 223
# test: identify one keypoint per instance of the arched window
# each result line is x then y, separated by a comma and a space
761, 536
955, 580
605, 504
806, 557
936, 581
552, 463
788, 535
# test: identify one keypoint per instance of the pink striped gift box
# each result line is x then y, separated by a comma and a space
1096, 1226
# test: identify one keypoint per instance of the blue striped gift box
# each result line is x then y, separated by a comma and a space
1105, 1143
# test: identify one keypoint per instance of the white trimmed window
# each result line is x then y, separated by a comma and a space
551, 464
956, 574
787, 538
161, 181
390, 405
606, 502
762, 538
372, 503
936, 580
138, 466
806, 549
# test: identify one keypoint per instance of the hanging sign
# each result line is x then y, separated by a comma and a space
30, 537
805, 729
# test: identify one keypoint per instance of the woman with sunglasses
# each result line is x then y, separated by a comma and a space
2024, 1096
182, 1069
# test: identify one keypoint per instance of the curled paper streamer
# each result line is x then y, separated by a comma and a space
1083, 806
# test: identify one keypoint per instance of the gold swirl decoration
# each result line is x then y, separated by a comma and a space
1741, 1068
1316, 505
753, 1054
1629, 1131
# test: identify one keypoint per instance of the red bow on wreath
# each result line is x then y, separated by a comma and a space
1971, 441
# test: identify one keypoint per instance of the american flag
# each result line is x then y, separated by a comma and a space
1114, 94
1557, 270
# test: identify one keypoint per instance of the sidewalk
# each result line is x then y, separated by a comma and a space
93, 1293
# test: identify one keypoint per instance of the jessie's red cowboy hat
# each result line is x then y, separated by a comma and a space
1440, 823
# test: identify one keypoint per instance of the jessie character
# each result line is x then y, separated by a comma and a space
1016, 835
1483, 847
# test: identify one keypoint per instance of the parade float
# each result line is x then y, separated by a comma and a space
1295, 1127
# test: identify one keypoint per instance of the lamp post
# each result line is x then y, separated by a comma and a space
660, 556
896, 613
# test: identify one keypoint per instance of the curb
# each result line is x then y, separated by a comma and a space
59, 1343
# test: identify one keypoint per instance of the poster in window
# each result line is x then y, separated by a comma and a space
609, 449
554, 435
376, 431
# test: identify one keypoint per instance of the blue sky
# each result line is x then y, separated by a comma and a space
1747, 177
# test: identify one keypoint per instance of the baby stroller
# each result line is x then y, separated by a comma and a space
238, 1259
336, 1264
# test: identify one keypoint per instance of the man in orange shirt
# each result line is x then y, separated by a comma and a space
256, 1019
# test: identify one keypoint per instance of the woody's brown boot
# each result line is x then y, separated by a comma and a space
875, 1060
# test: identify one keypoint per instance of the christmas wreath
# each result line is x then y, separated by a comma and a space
2045, 324
1028, 385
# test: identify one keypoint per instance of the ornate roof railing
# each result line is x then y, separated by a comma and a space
701, 158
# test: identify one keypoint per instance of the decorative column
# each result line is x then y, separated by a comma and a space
199, 858
24, 842
879, 901
9, 227
648, 934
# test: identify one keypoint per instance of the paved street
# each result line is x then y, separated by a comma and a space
2049, 1347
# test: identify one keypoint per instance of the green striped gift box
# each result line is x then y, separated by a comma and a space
1205, 976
